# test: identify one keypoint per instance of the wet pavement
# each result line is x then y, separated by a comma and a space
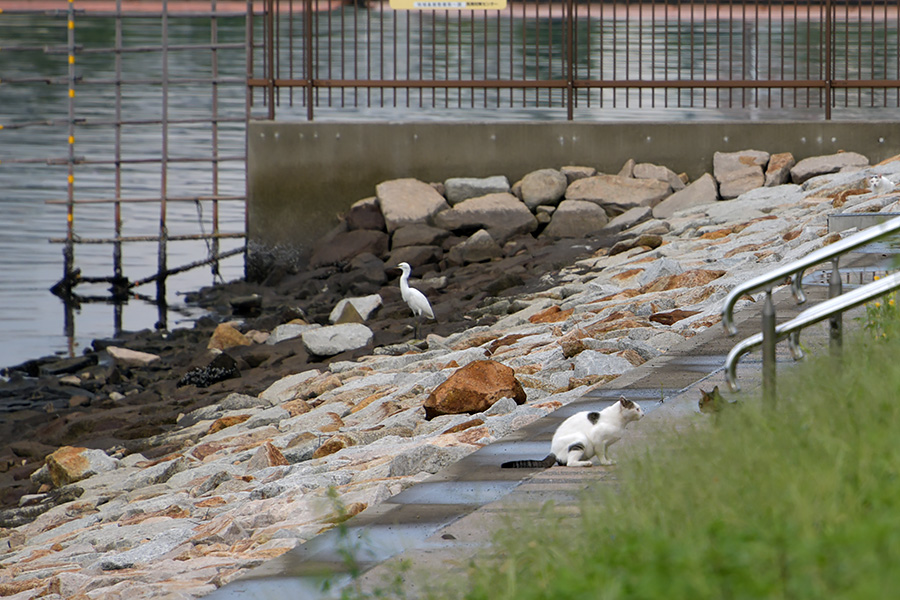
437, 525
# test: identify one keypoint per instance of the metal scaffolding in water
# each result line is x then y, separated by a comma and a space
165, 125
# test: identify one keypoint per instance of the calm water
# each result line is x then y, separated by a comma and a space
33, 322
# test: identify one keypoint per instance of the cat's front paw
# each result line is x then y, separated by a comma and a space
607, 462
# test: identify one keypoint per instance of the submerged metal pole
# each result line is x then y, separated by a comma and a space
835, 330
768, 348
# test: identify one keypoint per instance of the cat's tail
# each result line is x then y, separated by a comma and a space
549, 461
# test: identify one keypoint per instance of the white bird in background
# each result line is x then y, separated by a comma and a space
415, 299
881, 184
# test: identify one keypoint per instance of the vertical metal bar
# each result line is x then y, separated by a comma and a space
248, 57
214, 40
164, 160
835, 328
69, 250
768, 349
270, 56
570, 60
308, 56
829, 40
117, 207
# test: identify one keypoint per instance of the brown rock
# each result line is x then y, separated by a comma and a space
464, 426
778, 171
673, 316
474, 388
572, 346
692, 278
226, 422
267, 455
68, 464
226, 336
553, 314
334, 444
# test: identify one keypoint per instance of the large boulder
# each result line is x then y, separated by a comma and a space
703, 191
474, 388
479, 247
344, 246
616, 194
68, 465
366, 214
779, 170
365, 307
575, 219
739, 172
503, 215
334, 339
658, 172
408, 202
418, 235
457, 189
544, 186
823, 165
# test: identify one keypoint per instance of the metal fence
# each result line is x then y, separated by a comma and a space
155, 110
583, 59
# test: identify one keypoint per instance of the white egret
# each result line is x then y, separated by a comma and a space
415, 299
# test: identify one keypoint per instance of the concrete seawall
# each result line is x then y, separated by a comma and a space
302, 175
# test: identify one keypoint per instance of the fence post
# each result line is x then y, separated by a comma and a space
570, 60
835, 289
768, 349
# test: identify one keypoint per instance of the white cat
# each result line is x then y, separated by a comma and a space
880, 184
586, 434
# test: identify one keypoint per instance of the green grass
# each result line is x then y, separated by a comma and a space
798, 502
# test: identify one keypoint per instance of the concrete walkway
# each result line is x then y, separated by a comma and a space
438, 525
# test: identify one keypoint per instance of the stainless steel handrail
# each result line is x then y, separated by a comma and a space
796, 268
810, 316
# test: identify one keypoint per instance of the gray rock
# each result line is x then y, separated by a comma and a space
616, 194
660, 173
131, 358
408, 202
700, 192
573, 173
286, 388
289, 331
822, 165
576, 218
627, 169
503, 215
334, 339
365, 214
628, 219
365, 306
156, 474
591, 362
242, 401
479, 247
458, 189
270, 416
779, 170
345, 246
428, 458
416, 256
544, 186
418, 235
739, 172
158, 546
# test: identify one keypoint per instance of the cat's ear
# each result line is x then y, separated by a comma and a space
625, 402
715, 391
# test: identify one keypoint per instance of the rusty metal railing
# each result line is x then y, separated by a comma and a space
813, 58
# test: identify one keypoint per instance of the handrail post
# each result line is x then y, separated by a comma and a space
768, 349
836, 321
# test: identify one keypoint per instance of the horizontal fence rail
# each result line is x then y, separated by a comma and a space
814, 58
